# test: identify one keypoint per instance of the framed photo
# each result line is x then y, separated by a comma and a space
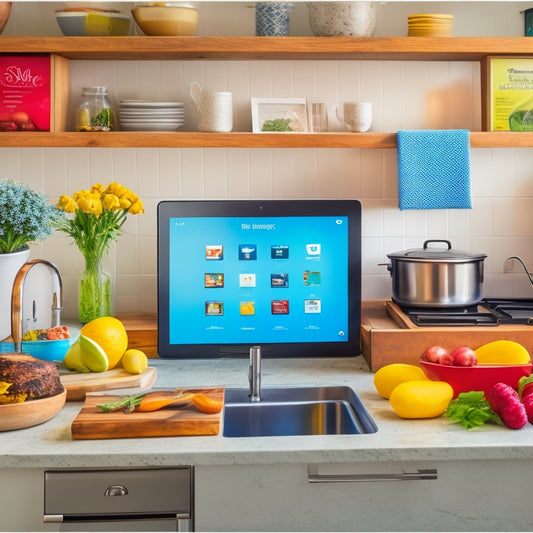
508, 94
279, 115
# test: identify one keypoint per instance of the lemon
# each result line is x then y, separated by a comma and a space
85, 355
134, 361
388, 377
110, 334
502, 352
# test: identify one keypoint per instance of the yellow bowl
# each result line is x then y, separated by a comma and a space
166, 20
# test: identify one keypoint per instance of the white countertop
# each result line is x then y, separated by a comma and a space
50, 445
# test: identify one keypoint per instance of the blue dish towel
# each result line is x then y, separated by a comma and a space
434, 169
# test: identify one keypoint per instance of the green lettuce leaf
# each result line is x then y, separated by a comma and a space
470, 410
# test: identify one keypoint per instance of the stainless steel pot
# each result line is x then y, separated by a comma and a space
436, 276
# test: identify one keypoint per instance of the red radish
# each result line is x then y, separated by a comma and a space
446, 359
505, 402
525, 391
433, 354
463, 356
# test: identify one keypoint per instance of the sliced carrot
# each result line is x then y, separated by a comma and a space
154, 401
205, 404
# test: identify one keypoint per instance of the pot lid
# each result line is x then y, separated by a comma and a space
433, 253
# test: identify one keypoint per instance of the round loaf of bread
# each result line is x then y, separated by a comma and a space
28, 376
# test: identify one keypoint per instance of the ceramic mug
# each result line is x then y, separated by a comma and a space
215, 109
356, 116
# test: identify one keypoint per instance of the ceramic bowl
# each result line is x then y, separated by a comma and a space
93, 23
31, 413
45, 350
475, 378
166, 20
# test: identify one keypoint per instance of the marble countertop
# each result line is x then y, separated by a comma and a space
50, 445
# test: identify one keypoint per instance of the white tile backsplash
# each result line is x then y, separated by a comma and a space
405, 95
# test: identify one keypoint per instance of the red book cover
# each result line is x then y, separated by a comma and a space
25, 92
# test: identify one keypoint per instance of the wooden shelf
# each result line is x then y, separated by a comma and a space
250, 48
258, 48
127, 139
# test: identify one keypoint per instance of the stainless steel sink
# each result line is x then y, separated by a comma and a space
295, 411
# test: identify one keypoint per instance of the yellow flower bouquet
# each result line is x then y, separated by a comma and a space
94, 219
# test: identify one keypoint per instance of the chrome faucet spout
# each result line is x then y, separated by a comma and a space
254, 374
17, 299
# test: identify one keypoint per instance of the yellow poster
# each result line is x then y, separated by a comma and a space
511, 94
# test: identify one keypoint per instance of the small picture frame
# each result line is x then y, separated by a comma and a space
275, 115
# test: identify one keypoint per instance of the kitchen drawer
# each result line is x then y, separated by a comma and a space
102, 494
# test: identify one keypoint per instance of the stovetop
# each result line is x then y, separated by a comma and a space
489, 312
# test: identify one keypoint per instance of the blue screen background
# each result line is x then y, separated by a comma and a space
188, 239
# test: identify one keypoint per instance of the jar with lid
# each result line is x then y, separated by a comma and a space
95, 112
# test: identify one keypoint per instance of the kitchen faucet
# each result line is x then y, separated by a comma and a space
254, 374
17, 299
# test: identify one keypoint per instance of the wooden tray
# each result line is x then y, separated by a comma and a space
388, 336
91, 423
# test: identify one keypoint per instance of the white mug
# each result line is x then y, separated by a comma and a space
215, 109
356, 116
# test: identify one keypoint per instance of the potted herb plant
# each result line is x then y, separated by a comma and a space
25, 216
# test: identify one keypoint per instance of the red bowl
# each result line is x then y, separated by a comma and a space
475, 378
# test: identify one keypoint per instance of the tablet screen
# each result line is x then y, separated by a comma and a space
282, 274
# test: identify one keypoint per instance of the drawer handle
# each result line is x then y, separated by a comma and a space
421, 474
116, 490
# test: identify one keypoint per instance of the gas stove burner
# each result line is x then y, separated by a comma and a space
511, 311
489, 312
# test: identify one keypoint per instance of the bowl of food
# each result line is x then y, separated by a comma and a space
49, 344
92, 22
477, 377
166, 19
31, 391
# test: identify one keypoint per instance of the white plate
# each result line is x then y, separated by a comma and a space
147, 104
146, 126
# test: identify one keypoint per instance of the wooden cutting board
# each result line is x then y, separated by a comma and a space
91, 423
79, 384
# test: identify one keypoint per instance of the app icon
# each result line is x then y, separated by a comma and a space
280, 251
214, 308
246, 280
280, 307
312, 306
247, 308
312, 279
313, 249
214, 280
247, 252
279, 280
214, 252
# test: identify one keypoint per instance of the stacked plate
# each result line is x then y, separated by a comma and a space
145, 115
430, 25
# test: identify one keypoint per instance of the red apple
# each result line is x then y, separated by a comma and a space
433, 354
463, 356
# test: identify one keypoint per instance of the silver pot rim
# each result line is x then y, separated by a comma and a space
437, 255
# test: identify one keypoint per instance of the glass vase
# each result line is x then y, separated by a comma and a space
94, 298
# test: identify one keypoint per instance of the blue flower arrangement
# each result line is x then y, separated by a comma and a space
25, 216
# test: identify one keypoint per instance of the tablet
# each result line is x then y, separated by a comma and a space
281, 274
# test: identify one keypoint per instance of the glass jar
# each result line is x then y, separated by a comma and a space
95, 112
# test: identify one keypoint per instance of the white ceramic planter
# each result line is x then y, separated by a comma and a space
356, 19
10, 264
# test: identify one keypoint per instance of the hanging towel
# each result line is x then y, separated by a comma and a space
434, 169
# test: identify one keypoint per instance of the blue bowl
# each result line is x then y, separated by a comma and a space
46, 350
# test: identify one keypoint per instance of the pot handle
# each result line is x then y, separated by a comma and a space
437, 240
388, 265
